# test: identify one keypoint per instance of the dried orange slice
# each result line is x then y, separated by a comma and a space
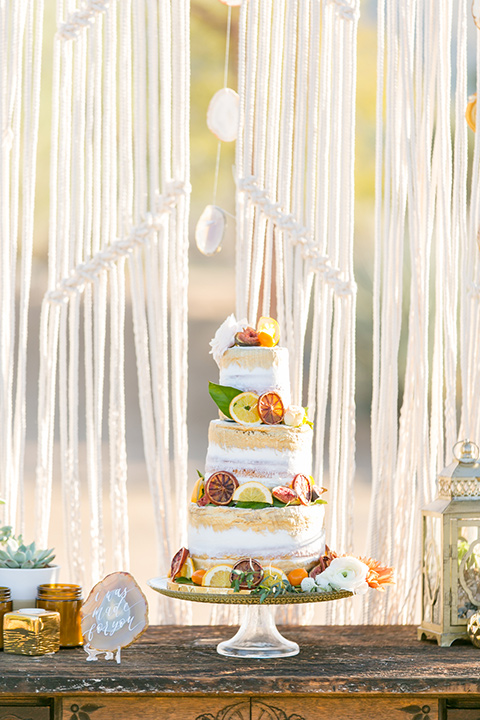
217, 576
198, 490
248, 572
243, 409
268, 331
301, 485
270, 408
252, 491
178, 562
220, 487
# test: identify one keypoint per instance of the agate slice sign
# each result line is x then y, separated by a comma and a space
114, 615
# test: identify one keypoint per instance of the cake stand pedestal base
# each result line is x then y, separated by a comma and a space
258, 636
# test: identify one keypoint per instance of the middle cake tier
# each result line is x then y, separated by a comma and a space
270, 454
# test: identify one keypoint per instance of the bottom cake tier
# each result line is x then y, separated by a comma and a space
286, 538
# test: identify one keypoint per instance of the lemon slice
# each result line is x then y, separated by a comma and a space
273, 576
243, 409
268, 331
198, 490
188, 569
217, 576
253, 491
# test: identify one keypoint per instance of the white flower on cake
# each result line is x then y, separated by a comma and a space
294, 416
225, 336
307, 584
344, 573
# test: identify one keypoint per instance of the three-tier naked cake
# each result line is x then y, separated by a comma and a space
256, 507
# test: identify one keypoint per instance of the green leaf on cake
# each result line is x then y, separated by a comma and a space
222, 396
253, 505
319, 501
184, 581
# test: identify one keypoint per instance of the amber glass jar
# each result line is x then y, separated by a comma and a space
67, 600
5, 606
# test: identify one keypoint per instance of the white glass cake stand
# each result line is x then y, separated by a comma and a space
258, 636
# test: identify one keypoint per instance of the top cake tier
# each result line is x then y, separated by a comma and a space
257, 369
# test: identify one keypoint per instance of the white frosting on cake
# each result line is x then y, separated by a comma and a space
270, 454
257, 369
287, 537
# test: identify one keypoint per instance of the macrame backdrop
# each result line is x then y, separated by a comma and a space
294, 176
119, 189
21, 30
422, 238
119, 208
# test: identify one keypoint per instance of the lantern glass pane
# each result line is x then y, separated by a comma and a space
432, 565
468, 564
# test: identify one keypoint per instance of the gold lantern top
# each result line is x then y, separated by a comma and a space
461, 479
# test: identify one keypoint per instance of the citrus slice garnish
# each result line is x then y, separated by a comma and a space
301, 485
270, 408
268, 331
273, 576
178, 562
471, 113
248, 573
217, 576
253, 491
198, 490
243, 409
220, 487
188, 568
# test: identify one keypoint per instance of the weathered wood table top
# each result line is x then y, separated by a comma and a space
357, 660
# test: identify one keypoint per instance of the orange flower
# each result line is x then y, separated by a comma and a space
378, 576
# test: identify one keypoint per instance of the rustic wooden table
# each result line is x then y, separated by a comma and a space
341, 673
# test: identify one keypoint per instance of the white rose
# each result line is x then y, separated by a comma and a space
294, 416
346, 573
323, 584
307, 584
225, 336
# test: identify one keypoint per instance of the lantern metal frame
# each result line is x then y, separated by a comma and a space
444, 569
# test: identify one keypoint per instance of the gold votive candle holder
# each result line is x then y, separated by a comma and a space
67, 600
31, 631
6, 605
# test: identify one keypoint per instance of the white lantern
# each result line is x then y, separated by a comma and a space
451, 550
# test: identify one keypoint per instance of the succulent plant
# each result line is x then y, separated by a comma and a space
15, 554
